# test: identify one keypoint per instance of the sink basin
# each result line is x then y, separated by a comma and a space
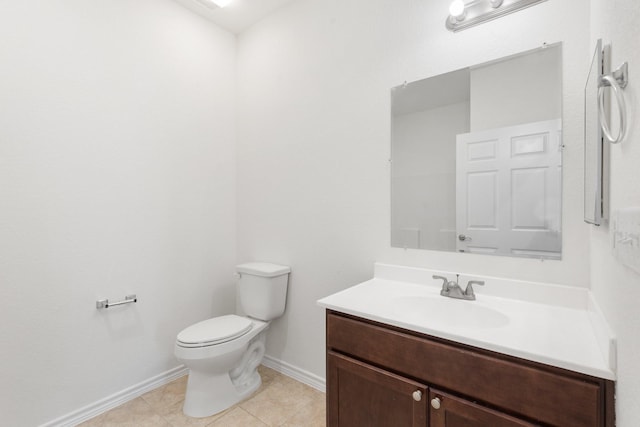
439, 310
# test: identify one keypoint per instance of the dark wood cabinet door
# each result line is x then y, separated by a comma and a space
450, 411
360, 395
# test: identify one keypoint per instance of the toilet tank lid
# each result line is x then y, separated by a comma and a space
263, 269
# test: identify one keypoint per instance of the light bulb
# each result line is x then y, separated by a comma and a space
457, 9
221, 3
495, 3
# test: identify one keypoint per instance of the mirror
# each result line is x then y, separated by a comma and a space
595, 149
477, 158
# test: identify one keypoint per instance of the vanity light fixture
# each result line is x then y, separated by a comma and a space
457, 10
214, 4
221, 3
464, 15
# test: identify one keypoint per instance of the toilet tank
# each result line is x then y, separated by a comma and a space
262, 289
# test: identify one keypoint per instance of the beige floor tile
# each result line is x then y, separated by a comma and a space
167, 395
268, 375
174, 415
310, 415
237, 417
136, 413
93, 422
279, 401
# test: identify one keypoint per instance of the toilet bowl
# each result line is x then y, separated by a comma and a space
222, 370
223, 353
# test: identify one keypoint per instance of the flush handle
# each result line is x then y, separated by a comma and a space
417, 395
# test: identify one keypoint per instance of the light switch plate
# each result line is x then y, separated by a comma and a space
626, 237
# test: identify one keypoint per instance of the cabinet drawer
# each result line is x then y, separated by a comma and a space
550, 396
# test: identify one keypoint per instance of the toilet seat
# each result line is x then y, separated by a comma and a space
214, 331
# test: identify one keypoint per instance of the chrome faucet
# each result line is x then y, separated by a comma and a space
451, 288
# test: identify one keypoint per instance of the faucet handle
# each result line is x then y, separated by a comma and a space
469, 289
445, 282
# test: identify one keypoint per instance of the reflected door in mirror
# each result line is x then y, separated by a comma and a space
508, 187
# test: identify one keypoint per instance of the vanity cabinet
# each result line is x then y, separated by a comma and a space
379, 376
368, 396
451, 411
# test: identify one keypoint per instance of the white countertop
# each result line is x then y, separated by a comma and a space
566, 334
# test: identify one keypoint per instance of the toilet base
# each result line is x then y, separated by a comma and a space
209, 393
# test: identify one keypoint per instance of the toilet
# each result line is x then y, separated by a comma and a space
223, 353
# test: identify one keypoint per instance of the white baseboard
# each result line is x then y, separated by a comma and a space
83, 414
296, 373
94, 409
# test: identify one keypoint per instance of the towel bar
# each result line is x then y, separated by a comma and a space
104, 303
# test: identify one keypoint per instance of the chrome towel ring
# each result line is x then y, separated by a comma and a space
617, 81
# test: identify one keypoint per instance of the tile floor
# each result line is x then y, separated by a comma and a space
279, 402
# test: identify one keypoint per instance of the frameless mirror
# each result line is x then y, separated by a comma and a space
595, 149
477, 158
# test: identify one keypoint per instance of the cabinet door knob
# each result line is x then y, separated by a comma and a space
417, 395
435, 403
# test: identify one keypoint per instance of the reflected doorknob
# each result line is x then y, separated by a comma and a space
462, 237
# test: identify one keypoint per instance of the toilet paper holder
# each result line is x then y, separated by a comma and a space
104, 303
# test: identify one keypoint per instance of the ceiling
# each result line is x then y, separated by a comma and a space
238, 15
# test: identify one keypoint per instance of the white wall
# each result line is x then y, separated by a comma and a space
313, 143
117, 170
616, 287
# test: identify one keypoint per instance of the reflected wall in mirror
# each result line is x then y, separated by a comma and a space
477, 158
